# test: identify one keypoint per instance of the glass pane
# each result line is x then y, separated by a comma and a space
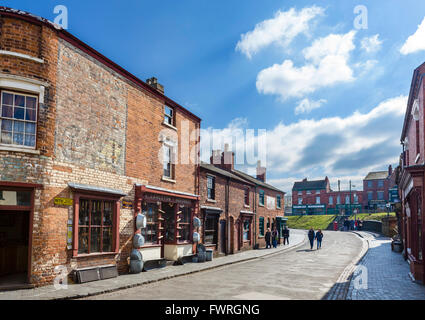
18, 113
96, 213
7, 99
184, 232
18, 126
83, 240
19, 100
15, 198
30, 140
18, 138
31, 102
107, 240
107, 213
185, 215
83, 218
30, 114
209, 237
7, 112
95, 240
30, 128
6, 125
169, 111
6, 137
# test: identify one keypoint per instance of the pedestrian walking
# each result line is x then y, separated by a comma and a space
311, 235
351, 224
345, 225
285, 234
275, 234
268, 238
319, 237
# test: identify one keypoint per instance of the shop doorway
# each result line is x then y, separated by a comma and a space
169, 223
222, 236
14, 243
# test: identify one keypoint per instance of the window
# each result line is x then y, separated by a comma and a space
246, 196
168, 115
380, 183
338, 200
380, 195
184, 223
300, 193
246, 230
356, 199
278, 202
261, 196
370, 184
331, 200
18, 119
370, 195
261, 226
210, 187
150, 233
268, 223
15, 198
95, 226
211, 229
317, 200
167, 161
308, 192
300, 200
347, 199
317, 191
417, 137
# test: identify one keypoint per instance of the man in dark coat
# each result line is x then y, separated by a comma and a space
319, 237
268, 238
285, 234
275, 234
311, 236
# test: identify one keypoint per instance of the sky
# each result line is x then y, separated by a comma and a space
322, 85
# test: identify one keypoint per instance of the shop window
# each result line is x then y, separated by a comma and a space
168, 115
184, 223
261, 197
210, 187
18, 119
210, 229
95, 226
151, 231
247, 196
278, 202
246, 230
261, 226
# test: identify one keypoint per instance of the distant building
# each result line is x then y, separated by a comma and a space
376, 189
316, 197
288, 205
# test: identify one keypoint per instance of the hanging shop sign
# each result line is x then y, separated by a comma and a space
63, 201
126, 204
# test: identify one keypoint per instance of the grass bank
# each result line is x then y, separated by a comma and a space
372, 216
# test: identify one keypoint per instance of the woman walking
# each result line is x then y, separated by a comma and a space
274, 237
311, 237
268, 237
319, 237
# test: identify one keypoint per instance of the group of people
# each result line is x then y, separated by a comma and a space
271, 237
353, 224
318, 236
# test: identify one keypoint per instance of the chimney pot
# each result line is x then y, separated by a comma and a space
153, 82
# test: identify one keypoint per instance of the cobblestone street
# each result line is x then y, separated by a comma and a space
388, 274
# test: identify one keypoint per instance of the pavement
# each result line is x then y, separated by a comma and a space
73, 291
387, 274
298, 273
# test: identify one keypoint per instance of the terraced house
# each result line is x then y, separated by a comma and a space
79, 158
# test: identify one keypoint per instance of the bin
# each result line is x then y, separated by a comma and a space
209, 254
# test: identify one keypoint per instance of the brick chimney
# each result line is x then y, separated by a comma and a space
261, 172
390, 170
153, 82
215, 158
227, 158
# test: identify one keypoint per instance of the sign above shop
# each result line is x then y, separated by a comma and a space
162, 198
63, 202
127, 204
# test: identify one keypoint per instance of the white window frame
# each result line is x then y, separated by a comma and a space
170, 144
317, 200
168, 117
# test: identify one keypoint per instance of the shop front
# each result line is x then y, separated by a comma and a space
213, 229
169, 228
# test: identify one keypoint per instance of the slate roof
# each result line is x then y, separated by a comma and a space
377, 175
220, 171
256, 181
310, 185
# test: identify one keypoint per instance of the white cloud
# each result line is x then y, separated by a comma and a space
306, 105
327, 65
281, 29
339, 147
416, 42
371, 44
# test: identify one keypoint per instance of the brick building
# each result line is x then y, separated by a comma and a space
317, 197
376, 189
80, 142
411, 184
237, 208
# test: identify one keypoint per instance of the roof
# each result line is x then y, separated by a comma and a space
310, 185
85, 187
213, 168
376, 175
65, 35
256, 181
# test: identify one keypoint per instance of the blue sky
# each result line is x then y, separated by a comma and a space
331, 97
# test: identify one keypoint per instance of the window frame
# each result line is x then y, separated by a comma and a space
246, 196
331, 200
170, 118
35, 122
186, 224
169, 144
212, 188
215, 218
278, 202
261, 196
261, 232
143, 232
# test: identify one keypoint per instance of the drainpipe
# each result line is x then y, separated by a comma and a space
255, 216
227, 197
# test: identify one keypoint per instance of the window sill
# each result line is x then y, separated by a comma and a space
211, 200
182, 243
246, 206
96, 254
261, 205
168, 180
18, 149
169, 126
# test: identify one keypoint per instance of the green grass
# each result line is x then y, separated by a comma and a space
372, 216
306, 222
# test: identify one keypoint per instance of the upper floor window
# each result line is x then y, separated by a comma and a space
261, 196
300, 193
210, 187
380, 183
18, 119
317, 191
308, 192
347, 199
356, 199
300, 200
278, 202
369, 184
380, 195
317, 200
246, 196
370, 195
331, 200
168, 115
338, 200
